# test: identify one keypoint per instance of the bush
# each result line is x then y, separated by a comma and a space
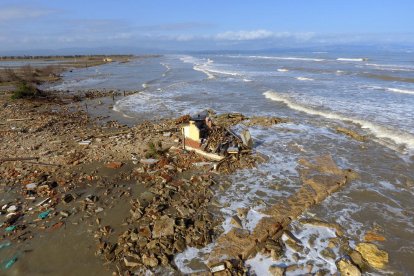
25, 90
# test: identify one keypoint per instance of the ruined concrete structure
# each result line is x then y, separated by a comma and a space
320, 179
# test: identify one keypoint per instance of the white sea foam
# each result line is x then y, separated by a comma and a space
391, 67
200, 68
247, 80
352, 59
287, 58
282, 70
403, 91
397, 136
260, 264
304, 79
391, 89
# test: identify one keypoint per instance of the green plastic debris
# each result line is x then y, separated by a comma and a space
10, 228
10, 262
5, 244
44, 214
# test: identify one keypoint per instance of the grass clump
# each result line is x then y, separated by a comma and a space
25, 90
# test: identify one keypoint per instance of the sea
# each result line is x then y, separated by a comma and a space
370, 92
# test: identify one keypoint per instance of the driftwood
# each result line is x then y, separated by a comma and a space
22, 119
41, 164
18, 159
113, 134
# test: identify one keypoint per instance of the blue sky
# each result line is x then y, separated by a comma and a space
196, 24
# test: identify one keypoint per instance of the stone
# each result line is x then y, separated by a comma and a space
372, 255
67, 198
130, 263
328, 253
371, 236
31, 186
235, 220
346, 268
114, 165
163, 227
242, 212
276, 270
12, 208
179, 245
149, 260
357, 259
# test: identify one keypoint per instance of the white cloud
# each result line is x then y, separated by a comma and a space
244, 35
14, 13
261, 34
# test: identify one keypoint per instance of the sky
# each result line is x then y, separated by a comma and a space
179, 25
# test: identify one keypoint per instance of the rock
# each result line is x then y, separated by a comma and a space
31, 186
12, 208
114, 165
242, 212
372, 255
371, 236
67, 198
346, 268
149, 260
328, 253
276, 270
149, 161
357, 259
163, 227
179, 245
235, 220
130, 263
351, 134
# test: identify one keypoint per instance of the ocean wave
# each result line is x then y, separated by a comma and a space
200, 68
352, 59
282, 70
199, 65
391, 89
287, 58
304, 79
403, 91
398, 137
391, 67
77, 84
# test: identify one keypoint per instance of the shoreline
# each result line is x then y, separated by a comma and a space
101, 177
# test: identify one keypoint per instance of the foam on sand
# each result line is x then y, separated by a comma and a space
397, 136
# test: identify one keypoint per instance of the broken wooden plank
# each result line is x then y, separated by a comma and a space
18, 159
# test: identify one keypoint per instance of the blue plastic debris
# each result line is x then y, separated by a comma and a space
44, 214
5, 244
10, 262
10, 228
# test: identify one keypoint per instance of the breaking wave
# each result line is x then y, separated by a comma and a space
304, 79
352, 59
391, 67
287, 58
282, 70
199, 65
390, 89
398, 137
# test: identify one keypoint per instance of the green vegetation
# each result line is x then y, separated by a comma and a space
25, 90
